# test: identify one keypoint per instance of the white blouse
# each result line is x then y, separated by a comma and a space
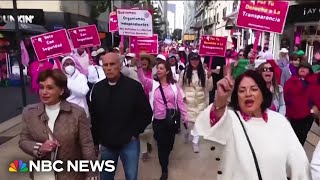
278, 151
52, 112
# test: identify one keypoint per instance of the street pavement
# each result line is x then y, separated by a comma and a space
184, 164
11, 101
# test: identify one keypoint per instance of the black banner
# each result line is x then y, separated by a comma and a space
30, 16
308, 12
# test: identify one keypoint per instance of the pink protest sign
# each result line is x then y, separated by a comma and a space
83, 37
113, 22
260, 15
144, 44
212, 46
50, 45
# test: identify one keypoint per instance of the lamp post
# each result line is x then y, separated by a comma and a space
18, 39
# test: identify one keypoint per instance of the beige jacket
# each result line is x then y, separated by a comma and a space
71, 129
196, 96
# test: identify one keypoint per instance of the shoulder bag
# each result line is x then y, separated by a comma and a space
172, 115
251, 148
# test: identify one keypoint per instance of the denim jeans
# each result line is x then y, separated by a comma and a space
129, 156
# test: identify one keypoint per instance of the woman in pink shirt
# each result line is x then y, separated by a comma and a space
164, 134
35, 69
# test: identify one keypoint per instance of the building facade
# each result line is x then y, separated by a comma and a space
303, 27
219, 18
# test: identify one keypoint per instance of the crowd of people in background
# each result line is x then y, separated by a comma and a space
130, 97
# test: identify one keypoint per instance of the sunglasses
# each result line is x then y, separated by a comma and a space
241, 54
269, 69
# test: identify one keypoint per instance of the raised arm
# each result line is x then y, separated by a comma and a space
146, 82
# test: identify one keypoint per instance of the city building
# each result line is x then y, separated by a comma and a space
302, 27
189, 21
160, 18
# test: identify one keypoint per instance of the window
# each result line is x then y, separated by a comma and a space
224, 12
235, 6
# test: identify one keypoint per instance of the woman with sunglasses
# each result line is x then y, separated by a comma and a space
267, 72
196, 83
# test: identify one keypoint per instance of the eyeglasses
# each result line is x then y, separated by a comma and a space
241, 54
269, 69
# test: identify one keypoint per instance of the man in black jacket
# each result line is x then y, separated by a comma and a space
120, 111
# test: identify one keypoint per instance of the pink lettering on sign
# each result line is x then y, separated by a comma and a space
261, 15
140, 44
213, 46
83, 37
50, 45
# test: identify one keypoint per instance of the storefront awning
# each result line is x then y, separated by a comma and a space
24, 27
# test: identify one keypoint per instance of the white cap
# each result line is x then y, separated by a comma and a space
66, 58
94, 53
161, 56
116, 48
132, 55
284, 50
101, 50
182, 48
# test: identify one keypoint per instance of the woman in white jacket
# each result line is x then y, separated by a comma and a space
315, 163
196, 83
77, 84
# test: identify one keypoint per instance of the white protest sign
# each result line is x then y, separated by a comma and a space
135, 22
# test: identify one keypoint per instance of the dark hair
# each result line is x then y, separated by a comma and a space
167, 65
187, 75
59, 78
274, 82
177, 63
247, 50
294, 57
258, 79
259, 48
183, 54
228, 53
241, 51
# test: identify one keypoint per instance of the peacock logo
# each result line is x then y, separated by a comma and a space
18, 166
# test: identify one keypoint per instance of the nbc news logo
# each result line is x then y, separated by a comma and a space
18, 166
57, 166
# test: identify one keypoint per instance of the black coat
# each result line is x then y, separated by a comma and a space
118, 112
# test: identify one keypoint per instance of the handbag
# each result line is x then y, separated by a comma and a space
172, 115
251, 148
48, 175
